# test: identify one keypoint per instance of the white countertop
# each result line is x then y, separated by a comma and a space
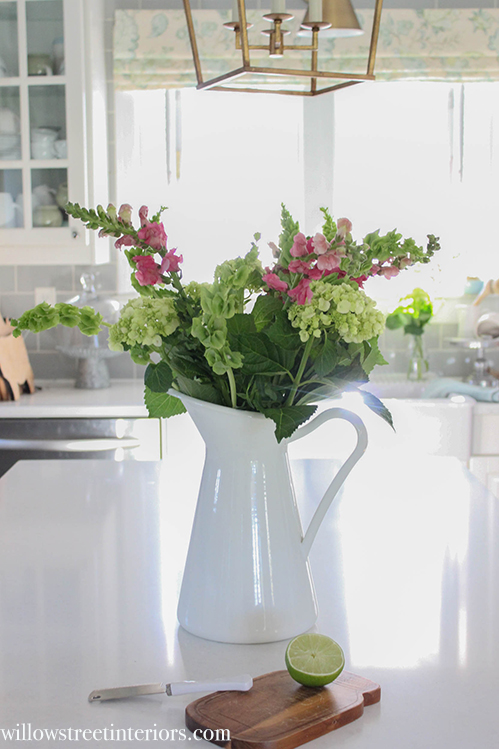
406, 570
124, 399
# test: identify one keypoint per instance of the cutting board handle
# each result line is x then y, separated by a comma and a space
337, 482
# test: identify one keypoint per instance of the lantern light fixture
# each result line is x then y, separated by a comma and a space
323, 19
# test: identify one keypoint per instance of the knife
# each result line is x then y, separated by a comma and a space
233, 683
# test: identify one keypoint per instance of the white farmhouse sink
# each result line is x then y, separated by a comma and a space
437, 426
396, 386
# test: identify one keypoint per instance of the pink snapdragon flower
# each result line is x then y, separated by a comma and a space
171, 262
404, 262
329, 260
299, 247
390, 271
321, 245
344, 227
315, 273
148, 271
302, 293
143, 211
375, 269
340, 273
360, 281
299, 266
125, 213
125, 241
274, 282
154, 235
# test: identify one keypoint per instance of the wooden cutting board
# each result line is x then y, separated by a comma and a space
16, 375
278, 713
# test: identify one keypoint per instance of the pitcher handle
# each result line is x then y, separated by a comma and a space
336, 483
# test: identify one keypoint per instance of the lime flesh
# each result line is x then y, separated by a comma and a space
314, 660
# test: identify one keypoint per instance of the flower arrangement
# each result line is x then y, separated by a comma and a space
272, 340
413, 313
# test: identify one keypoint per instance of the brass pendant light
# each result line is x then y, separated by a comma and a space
324, 19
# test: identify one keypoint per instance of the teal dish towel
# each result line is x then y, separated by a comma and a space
445, 386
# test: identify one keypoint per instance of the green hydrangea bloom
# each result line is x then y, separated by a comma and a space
341, 308
144, 322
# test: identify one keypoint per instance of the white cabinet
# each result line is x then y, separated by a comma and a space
52, 129
61, 421
484, 461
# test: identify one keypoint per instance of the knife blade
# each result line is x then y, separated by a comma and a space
241, 683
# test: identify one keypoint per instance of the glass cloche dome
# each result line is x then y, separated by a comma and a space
90, 351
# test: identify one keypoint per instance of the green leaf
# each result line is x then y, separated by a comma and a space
374, 356
158, 377
140, 355
346, 379
394, 321
241, 323
266, 394
261, 356
162, 405
283, 334
413, 329
327, 359
377, 407
265, 310
200, 390
190, 366
288, 419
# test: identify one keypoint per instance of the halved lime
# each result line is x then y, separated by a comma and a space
314, 660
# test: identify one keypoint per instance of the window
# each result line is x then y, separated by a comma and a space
417, 156
240, 157
422, 157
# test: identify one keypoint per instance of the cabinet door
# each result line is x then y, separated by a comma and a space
44, 159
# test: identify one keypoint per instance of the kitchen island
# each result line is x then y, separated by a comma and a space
406, 569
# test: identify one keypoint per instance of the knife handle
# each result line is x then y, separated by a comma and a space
237, 683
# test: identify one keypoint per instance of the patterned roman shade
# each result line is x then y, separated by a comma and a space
152, 50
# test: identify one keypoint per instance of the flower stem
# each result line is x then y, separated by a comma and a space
233, 390
180, 289
301, 369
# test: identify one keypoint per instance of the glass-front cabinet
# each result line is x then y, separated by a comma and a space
44, 138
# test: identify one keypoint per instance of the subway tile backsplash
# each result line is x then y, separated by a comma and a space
59, 276
17, 286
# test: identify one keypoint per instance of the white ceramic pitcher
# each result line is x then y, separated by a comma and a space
247, 578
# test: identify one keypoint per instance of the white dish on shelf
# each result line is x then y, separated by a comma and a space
9, 122
42, 195
47, 215
9, 142
10, 155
